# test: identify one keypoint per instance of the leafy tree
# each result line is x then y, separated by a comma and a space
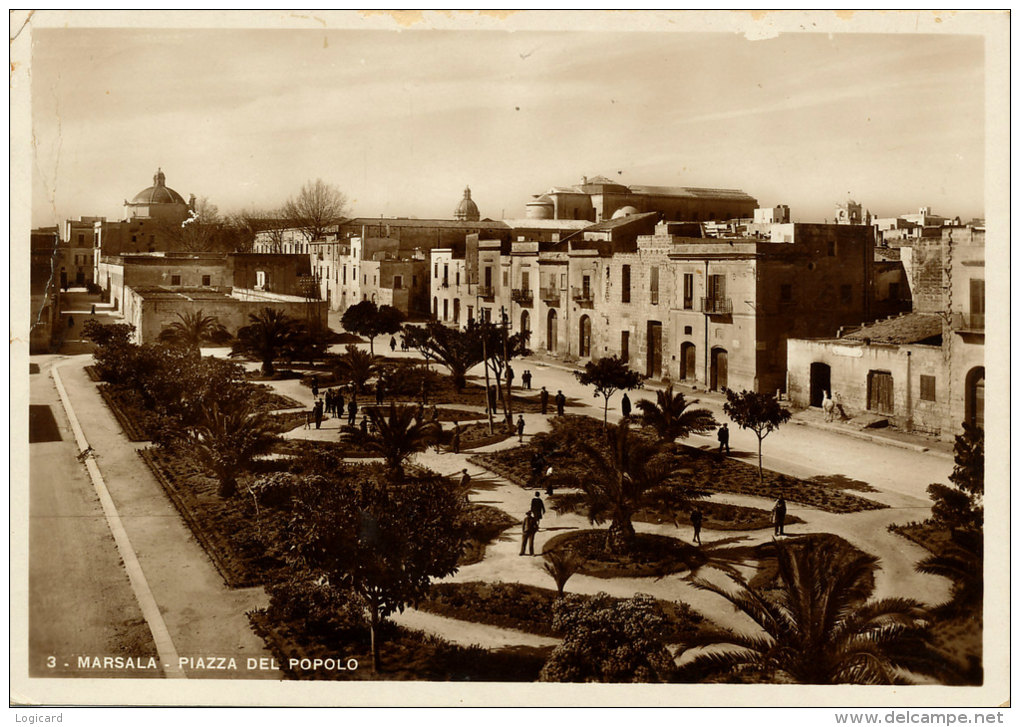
459, 350
114, 334
761, 413
266, 336
561, 564
960, 507
606, 640
384, 543
227, 441
367, 319
670, 416
962, 562
817, 625
501, 347
609, 375
316, 208
194, 329
356, 367
396, 436
619, 477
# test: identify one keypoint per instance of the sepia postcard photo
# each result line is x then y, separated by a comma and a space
510, 358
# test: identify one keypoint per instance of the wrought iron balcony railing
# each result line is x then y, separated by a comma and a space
582, 297
969, 322
522, 297
486, 291
716, 306
550, 296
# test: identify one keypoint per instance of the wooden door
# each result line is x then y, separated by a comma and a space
880, 392
654, 367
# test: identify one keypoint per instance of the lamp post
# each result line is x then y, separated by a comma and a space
485, 360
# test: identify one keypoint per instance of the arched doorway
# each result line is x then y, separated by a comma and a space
975, 397
551, 327
821, 382
688, 361
720, 372
525, 324
584, 343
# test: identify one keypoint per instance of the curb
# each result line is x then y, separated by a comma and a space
139, 585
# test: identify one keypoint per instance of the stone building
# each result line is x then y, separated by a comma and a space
46, 259
599, 199
152, 223
923, 371
711, 312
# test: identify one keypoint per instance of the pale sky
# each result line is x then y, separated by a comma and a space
402, 121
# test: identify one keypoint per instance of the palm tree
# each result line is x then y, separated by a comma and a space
226, 441
561, 564
818, 626
269, 332
395, 437
961, 560
670, 416
356, 367
194, 329
620, 477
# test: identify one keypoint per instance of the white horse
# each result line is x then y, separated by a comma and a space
828, 406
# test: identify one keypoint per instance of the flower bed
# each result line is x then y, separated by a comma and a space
228, 529
477, 435
525, 608
126, 406
652, 555
406, 655
484, 523
717, 515
93, 373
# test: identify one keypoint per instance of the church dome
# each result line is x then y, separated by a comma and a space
625, 212
158, 193
467, 209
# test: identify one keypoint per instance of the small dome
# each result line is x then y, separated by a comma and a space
467, 209
540, 208
158, 193
624, 212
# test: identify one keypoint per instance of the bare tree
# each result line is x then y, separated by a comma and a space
249, 224
200, 231
317, 207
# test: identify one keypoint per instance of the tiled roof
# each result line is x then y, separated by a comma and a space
694, 192
907, 328
887, 253
612, 224
409, 222
159, 292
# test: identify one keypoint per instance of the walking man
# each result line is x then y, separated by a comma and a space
537, 506
465, 481
526, 378
528, 530
338, 404
724, 438
696, 518
318, 413
352, 412
520, 428
543, 399
779, 515
625, 405
393, 344
364, 424
561, 401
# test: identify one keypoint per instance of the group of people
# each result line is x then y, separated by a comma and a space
560, 401
778, 517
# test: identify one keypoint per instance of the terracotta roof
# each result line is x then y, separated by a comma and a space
907, 328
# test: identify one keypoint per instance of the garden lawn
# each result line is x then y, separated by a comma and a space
651, 555
483, 524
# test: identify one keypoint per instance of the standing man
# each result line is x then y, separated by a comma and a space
465, 481
456, 437
520, 428
528, 530
338, 403
625, 405
318, 413
561, 401
315, 387
393, 344
352, 412
696, 518
509, 377
779, 515
724, 438
543, 399
379, 393
526, 378
492, 398
537, 507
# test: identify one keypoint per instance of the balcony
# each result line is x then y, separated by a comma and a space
583, 297
550, 296
522, 297
486, 291
968, 322
716, 306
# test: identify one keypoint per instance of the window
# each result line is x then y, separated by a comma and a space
446, 309
625, 284
654, 285
525, 280
345, 275
586, 286
832, 248
846, 294
688, 291
81, 239
688, 330
206, 280
457, 278
716, 287
927, 388
977, 301
608, 277
175, 280
436, 274
488, 277
786, 292
563, 281
625, 345
365, 279
471, 312
506, 278
398, 282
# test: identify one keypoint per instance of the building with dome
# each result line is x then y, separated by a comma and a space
158, 202
467, 209
599, 199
